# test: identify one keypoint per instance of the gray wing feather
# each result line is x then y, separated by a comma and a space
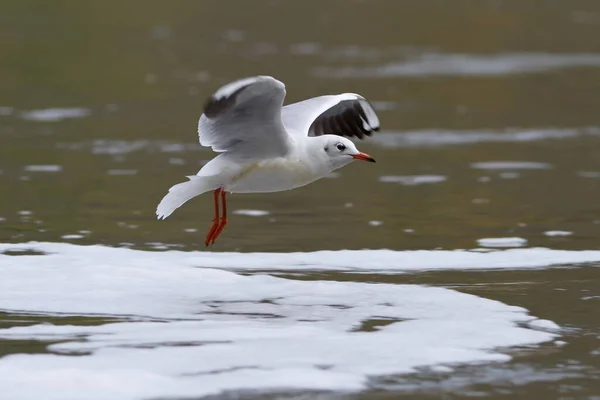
244, 117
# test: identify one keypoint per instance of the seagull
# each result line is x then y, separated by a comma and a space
267, 147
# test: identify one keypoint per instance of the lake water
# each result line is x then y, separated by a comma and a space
464, 263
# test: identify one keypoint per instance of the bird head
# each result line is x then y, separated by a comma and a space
341, 151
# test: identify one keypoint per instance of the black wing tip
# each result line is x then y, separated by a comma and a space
214, 106
361, 136
361, 133
347, 119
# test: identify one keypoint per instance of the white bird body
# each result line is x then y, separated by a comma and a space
297, 168
272, 175
269, 148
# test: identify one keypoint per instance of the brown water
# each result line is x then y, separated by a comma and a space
500, 81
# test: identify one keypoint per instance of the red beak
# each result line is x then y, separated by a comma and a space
363, 157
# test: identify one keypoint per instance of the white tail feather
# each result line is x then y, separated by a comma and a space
181, 193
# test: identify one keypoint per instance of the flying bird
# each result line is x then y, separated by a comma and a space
267, 147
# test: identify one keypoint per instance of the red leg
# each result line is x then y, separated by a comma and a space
223, 221
215, 221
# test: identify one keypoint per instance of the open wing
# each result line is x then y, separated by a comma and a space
244, 117
345, 114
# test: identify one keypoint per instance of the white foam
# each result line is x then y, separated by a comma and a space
558, 233
393, 139
435, 137
115, 147
210, 330
252, 213
55, 114
438, 64
502, 242
509, 175
510, 165
305, 49
375, 223
382, 260
590, 297
589, 174
413, 179
72, 236
544, 324
43, 168
6, 111
342, 52
176, 161
120, 147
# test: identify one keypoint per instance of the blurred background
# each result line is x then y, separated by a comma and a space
490, 129
489, 113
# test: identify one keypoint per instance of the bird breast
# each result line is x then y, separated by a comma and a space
272, 175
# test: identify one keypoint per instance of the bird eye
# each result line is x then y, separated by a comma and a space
341, 147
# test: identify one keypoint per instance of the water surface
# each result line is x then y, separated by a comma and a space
474, 262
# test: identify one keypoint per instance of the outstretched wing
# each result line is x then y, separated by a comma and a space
345, 114
245, 117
